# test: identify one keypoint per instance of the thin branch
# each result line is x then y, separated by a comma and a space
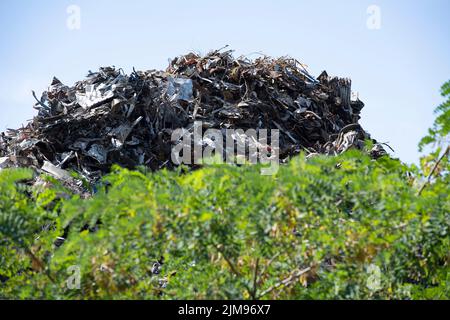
428, 180
231, 265
255, 279
269, 263
39, 263
234, 270
289, 280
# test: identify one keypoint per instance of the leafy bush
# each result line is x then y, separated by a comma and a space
342, 227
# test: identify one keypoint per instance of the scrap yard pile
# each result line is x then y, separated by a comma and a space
114, 118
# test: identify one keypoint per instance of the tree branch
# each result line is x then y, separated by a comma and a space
428, 180
289, 280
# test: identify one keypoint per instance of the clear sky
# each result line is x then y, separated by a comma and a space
397, 69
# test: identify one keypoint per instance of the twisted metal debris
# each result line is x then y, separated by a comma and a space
114, 118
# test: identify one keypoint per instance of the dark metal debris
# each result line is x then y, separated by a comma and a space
114, 118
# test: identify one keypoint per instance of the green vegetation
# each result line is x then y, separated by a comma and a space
439, 133
227, 232
344, 227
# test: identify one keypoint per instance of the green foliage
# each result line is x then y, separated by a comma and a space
439, 133
435, 166
342, 227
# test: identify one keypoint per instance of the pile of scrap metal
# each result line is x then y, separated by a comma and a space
113, 118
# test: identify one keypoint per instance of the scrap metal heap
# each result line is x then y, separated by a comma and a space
114, 118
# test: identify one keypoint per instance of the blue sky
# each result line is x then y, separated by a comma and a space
397, 70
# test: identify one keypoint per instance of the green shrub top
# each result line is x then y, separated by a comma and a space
342, 227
